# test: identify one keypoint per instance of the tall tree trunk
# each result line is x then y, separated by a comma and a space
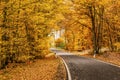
93, 16
96, 15
5, 38
100, 25
110, 38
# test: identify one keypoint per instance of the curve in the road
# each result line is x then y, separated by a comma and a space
67, 69
82, 68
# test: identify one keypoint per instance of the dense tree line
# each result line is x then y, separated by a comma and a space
92, 24
25, 26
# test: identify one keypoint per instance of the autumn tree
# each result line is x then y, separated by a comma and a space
25, 27
98, 18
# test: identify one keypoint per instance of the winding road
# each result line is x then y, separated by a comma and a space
82, 68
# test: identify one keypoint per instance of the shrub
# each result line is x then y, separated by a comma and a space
60, 43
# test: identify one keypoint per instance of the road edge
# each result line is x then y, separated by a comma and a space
106, 62
112, 64
67, 69
98, 60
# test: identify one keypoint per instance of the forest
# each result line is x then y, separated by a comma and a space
27, 27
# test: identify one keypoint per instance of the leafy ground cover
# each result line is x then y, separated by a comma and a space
40, 69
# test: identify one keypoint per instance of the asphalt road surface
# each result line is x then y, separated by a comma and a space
82, 68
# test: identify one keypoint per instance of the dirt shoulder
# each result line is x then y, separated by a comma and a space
110, 57
41, 69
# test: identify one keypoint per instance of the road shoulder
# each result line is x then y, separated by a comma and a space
112, 58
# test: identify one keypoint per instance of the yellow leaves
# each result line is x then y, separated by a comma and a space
103, 2
59, 40
117, 45
43, 44
23, 58
46, 7
38, 19
60, 43
59, 17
